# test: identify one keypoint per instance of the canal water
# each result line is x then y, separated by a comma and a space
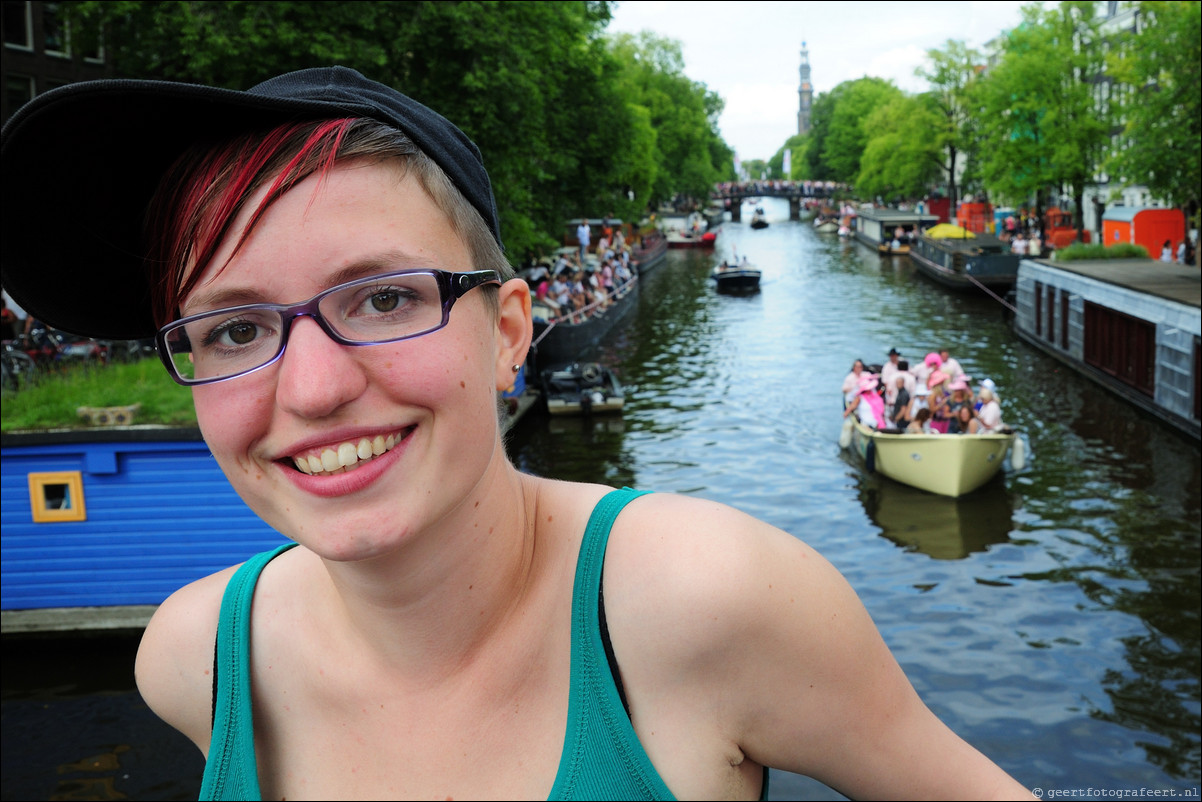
1051, 618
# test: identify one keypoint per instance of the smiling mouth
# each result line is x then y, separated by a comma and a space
346, 456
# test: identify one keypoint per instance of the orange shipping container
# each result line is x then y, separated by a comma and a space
1149, 227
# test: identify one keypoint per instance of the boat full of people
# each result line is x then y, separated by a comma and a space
931, 431
576, 302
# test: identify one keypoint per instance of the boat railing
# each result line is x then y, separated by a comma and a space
594, 309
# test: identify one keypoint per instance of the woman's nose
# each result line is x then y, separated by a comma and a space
316, 375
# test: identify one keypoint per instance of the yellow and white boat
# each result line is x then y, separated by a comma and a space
945, 464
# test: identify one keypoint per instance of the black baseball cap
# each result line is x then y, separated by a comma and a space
80, 164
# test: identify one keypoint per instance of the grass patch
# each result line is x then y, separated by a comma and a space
1079, 251
51, 401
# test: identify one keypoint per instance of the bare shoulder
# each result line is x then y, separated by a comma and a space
702, 564
174, 668
767, 647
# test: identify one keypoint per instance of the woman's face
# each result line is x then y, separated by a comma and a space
429, 404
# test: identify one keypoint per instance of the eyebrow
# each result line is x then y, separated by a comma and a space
387, 262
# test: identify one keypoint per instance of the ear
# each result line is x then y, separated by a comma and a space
515, 329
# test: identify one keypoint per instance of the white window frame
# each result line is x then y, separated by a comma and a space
28, 46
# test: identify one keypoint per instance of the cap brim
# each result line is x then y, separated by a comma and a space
81, 167
82, 162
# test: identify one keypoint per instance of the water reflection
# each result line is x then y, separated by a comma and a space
939, 527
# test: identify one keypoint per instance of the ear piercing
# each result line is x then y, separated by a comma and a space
516, 368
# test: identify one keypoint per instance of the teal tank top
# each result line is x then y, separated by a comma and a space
602, 757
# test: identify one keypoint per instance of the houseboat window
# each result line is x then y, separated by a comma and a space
1197, 379
1051, 330
57, 496
1038, 309
1121, 346
1064, 320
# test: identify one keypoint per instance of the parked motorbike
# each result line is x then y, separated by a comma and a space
17, 368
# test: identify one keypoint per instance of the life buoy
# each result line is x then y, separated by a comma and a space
590, 373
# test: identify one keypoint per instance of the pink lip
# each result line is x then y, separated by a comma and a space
343, 484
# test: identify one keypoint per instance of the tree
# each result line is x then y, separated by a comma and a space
690, 156
1162, 70
951, 72
846, 136
901, 158
1039, 108
533, 84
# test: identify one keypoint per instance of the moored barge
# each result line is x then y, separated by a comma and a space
1132, 326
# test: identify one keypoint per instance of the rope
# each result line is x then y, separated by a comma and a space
1001, 301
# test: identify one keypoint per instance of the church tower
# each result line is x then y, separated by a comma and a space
805, 94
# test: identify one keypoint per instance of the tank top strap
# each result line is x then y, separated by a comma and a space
602, 756
230, 770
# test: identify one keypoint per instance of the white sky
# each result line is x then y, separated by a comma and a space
749, 51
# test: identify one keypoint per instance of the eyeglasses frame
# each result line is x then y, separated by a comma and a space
451, 287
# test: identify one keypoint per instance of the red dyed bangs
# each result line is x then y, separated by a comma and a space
205, 190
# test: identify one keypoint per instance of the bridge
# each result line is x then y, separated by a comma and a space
805, 194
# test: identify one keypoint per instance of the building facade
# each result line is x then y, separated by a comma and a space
39, 53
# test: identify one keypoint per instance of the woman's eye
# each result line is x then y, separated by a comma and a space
385, 301
241, 333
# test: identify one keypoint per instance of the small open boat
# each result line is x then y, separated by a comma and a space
687, 239
758, 219
945, 464
738, 277
582, 388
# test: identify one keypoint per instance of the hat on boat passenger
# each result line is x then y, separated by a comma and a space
933, 360
937, 378
959, 384
894, 352
988, 384
868, 382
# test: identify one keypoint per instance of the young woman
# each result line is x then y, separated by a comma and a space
325, 271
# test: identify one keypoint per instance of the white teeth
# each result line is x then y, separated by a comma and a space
347, 456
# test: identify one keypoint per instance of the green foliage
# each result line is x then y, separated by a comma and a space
1042, 125
533, 84
51, 402
689, 155
901, 158
1163, 131
1080, 251
952, 73
839, 133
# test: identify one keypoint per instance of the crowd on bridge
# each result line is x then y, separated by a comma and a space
776, 188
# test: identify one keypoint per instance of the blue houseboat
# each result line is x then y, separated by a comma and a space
101, 525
